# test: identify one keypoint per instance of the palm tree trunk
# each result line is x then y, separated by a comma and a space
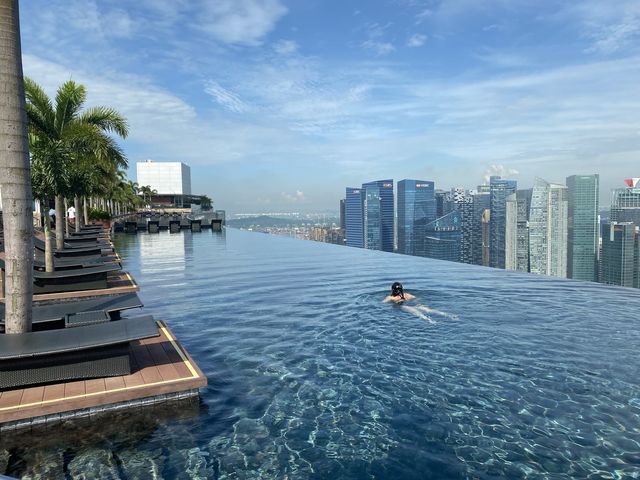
66, 219
86, 210
48, 247
61, 215
16, 177
76, 205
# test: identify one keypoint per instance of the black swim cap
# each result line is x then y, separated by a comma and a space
396, 289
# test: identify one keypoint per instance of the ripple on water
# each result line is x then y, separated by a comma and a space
311, 376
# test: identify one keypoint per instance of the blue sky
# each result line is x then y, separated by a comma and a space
279, 105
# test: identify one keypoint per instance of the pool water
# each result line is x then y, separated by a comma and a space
489, 374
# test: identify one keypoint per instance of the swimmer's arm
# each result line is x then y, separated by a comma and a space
388, 299
408, 296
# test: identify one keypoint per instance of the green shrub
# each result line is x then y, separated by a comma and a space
98, 214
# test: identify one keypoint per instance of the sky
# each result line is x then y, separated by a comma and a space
278, 105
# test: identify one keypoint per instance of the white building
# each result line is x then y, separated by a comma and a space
548, 227
167, 178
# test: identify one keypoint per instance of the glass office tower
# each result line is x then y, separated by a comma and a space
353, 212
378, 215
416, 208
444, 237
618, 254
625, 203
499, 190
582, 240
481, 207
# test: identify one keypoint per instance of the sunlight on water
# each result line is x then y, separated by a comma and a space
486, 374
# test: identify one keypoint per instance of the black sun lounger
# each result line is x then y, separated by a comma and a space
70, 252
75, 262
89, 351
103, 243
86, 228
65, 314
91, 278
82, 239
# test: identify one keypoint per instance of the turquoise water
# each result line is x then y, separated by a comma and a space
312, 376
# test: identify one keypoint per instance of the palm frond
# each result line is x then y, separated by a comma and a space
69, 101
106, 119
39, 106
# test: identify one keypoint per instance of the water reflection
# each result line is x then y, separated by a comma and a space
125, 444
312, 376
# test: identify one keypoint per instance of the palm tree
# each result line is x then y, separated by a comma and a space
48, 169
205, 202
147, 192
81, 135
16, 184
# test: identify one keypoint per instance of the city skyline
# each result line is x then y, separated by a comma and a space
291, 101
550, 229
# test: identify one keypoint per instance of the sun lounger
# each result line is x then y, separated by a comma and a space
64, 314
89, 351
90, 278
74, 263
82, 242
87, 230
69, 252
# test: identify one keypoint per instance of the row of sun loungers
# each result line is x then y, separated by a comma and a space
79, 266
74, 339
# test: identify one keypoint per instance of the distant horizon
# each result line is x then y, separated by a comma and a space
279, 104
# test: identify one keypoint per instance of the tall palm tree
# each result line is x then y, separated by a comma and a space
205, 202
81, 134
147, 192
48, 169
14, 169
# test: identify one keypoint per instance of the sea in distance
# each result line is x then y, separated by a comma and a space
487, 374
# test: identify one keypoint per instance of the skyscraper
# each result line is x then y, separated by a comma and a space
510, 236
486, 235
441, 200
416, 208
618, 254
548, 229
500, 189
480, 240
354, 217
444, 235
625, 202
582, 241
343, 222
523, 198
378, 215
467, 246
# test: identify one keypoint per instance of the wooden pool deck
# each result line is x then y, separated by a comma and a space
162, 370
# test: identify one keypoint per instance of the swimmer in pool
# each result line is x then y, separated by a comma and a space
397, 294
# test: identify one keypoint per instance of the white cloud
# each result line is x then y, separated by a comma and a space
380, 48
423, 15
416, 40
610, 26
239, 22
224, 97
285, 47
296, 197
499, 170
375, 41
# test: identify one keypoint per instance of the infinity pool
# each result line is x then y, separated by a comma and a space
490, 374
